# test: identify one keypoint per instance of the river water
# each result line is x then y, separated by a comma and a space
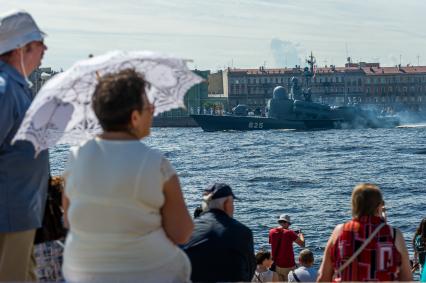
308, 175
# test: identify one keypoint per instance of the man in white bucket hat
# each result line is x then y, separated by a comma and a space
23, 178
281, 240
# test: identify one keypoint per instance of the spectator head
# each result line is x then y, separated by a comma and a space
219, 196
306, 258
56, 188
121, 104
57, 182
367, 200
284, 220
264, 258
21, 41
420, 231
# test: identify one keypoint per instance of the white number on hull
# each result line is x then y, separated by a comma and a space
255, 125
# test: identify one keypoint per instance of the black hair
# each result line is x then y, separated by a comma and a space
421, 230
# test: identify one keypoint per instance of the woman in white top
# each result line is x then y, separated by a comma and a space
263, 273
125, 211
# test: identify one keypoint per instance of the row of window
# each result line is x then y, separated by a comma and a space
332, 79
396, 79
333, 89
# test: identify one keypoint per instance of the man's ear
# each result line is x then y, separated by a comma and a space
227, 205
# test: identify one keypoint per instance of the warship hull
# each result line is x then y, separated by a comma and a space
211, 123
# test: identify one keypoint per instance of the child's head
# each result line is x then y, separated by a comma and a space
306, 258
264, 258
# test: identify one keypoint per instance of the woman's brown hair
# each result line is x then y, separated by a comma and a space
366, 198
261, 256
116, 96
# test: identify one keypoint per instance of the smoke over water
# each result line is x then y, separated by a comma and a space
411, 119
285, 53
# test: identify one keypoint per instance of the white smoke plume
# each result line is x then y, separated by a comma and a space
285, 53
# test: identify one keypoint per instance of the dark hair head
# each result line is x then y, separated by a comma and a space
116, 97
421, 230
366, 198
261, 256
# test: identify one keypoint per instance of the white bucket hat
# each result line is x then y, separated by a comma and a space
285, 218
18, 28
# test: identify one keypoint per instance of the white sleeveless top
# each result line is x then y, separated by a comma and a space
116, 192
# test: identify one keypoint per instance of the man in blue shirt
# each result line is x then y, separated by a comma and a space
23, 177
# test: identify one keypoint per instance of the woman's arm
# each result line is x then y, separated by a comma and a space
176, 220
326, 271
405, 270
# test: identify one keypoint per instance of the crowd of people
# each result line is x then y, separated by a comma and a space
125, 211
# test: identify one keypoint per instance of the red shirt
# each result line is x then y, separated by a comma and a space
285, 256
379, 261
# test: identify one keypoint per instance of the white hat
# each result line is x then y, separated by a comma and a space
284, 217
18, 28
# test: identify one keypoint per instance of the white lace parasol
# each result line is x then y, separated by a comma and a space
62, 110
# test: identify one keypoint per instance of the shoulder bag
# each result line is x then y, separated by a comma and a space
52, 226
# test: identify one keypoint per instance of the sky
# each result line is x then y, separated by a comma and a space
234, 33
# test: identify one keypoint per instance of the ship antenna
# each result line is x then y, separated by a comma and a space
311, 62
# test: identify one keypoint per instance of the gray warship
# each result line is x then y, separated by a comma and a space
296, 110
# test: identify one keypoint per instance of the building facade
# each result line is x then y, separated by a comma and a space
40, 76
387, 88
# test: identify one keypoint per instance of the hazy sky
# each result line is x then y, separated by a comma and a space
244, 33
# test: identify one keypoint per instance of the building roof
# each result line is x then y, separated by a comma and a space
369, 71
265, 71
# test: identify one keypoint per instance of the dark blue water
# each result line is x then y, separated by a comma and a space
308, 175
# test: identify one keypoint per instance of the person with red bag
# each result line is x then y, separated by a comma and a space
366, 248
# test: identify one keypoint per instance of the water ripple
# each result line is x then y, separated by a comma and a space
309, 175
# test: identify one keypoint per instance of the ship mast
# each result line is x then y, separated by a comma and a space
311, 62
309, 73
